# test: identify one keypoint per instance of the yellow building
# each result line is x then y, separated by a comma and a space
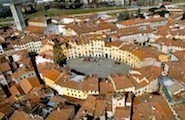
50, 77
98, 48
62, 83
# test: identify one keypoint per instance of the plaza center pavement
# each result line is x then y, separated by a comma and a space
103, 67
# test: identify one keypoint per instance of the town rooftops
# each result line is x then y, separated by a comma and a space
180, 55
87, 107
122, 113
150, 72
114, 44
140, 21
88, 26
26, 39
137, 84
142, 52
152, 106
132, 30
176, 70
16, 90
121, 82
35, 29
106, 87
5, 67
92, 106
170, 42
29, 83
18, 115
51, 74
61, 114
180, 109
90, 83
20, 72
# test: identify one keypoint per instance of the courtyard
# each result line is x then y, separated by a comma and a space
102, 67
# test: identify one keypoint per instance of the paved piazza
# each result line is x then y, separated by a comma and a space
103, 67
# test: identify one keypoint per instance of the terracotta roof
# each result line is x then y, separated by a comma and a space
180, 109
63, 114
106, 87
29, 83
139, 85
180, 55
16, 90
176, 70
35, 29
42, 67
90, 83
132, 30
152, 106
121, 82
136, 21
95, 108
87, 107
100, 108
142, 52
5, 67
150, 72
20, 72
178, 32
114, 44
26, 39
6, 108
51, 74
18, 115
122, 113
66, 82
86, 27
169, 42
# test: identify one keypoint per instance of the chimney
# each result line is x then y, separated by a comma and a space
58, 108
32, 55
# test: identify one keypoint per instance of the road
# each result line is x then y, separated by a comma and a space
109, 11
122, 10
7, 22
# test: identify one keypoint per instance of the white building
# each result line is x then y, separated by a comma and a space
31, 43
1, 49
3, 80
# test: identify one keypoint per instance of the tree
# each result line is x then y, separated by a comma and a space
124, 16
152, 10
138, 12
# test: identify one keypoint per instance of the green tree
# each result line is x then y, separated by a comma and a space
138, 12
124, 16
